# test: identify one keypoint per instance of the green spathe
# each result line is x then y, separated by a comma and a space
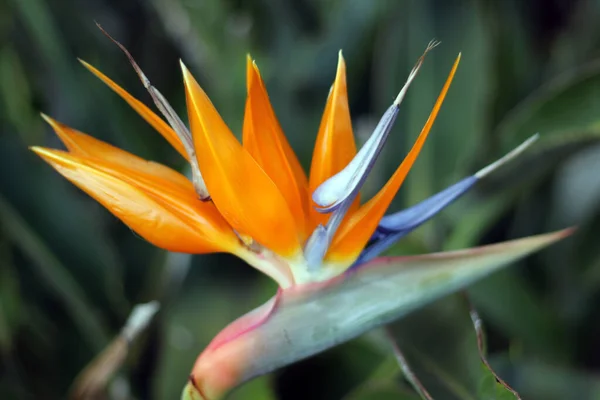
303, 321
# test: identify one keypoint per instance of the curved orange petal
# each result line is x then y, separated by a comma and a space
264, 139
244, 194
157, 123
335, 146
156, 209
81, 144
354, 233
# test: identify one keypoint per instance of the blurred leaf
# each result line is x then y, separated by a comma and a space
92, 381
453, 143
564, 110
42, 30
215, 49
39, 22
347, 367
385, 374
568, 48
491, 389
525, 174
510, 304
381, 391
446, 355
387, 370
409, 375
38, 19
72, 226
421, 181
11, 313
577, 187
194, 317
538, 381
58, 278
259, 389
470, 227
439, 345
518, 180
16, 97
491, 386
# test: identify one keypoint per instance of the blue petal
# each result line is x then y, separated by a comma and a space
316, 247
378, 247
414, 216
395, 226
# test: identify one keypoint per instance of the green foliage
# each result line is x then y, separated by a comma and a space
70, 272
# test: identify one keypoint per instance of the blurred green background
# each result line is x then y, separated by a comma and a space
70, 272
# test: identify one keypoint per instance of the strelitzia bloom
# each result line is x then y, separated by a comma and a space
312, 235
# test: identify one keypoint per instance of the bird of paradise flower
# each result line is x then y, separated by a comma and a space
312, 235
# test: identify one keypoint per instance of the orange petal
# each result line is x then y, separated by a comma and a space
156, 209
335, 146
355, 231
157, 123
81, 144
263, 138
241, 190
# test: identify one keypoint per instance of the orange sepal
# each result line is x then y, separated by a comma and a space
81, 144
158, 210
157, 123
244, 194
354, 233
264, 139
334, 147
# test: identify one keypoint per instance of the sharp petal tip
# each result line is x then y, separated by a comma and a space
556, 236
85, 64
184, 70
43, 152
508, 157
251, 62
567, 232
49, 120
182, 65
341, 65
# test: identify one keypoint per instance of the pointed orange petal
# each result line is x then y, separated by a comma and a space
81, 144
162, 213
355, 231
157, 123
335, 146
263, 138
241, 190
